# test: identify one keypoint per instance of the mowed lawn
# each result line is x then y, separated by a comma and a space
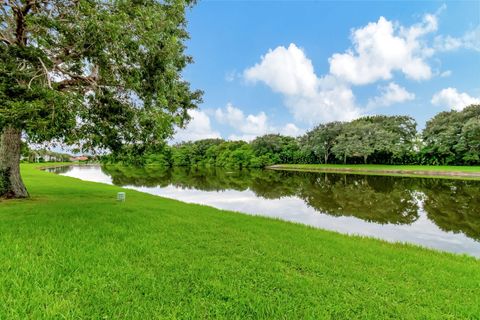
72, 251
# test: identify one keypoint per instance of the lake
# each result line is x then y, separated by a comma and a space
437, 213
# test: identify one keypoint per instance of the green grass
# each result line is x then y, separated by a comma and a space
72, 251
380, 169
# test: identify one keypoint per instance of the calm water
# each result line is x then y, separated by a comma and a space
435, 213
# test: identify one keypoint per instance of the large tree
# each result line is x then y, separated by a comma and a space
276, 145
321, 139
394, 136
453, 137
97, 74
357, 139
388, 138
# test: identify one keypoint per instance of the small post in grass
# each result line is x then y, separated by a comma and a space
121, 197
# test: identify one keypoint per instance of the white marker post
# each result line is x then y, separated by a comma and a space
121, 197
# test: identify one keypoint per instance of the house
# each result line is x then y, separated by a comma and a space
44, 156
79, 158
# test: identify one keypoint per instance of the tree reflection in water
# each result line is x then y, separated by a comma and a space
453, 205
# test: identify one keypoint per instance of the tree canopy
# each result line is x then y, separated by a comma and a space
449, 138
91, 73
453, 137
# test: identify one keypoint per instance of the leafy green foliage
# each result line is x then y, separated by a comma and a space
449, 138
281, 149
95, 74
321, 140
453, 138
383, 139
263, 151
379, 138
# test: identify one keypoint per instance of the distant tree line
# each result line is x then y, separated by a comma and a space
449, 138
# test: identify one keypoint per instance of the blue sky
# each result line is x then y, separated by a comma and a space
284, 66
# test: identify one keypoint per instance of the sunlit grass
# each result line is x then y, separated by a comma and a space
72, 251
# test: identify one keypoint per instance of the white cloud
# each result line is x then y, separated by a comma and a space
242, 137
248, 127
285, 70
231, 76
231, 115
446, 73
382, 47
447, 43
198, 128
379, 49
451, 98
234, 117
470, 40
329, 103
390, 94
290, 130
309, 98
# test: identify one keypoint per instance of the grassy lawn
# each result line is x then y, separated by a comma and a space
404, 170
72, 251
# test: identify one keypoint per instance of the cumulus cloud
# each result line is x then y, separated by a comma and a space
198, 128
250, 124
285, 70
309, 98
470, 40
390, 94
329, 103
290, 130
382, 47
248, 127
451, 98
379, 50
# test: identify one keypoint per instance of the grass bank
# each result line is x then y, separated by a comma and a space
71, 251
472, 172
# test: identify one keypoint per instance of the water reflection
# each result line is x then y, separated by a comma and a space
454, 205
370, 198
438, 213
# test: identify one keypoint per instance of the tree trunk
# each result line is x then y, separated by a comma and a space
11, 184
326, 158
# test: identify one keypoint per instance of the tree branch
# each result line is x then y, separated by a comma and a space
5, 40
34, 77
46, 73
20, 14
77, 81
88, 81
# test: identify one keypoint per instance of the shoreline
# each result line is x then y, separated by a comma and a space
422, 171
